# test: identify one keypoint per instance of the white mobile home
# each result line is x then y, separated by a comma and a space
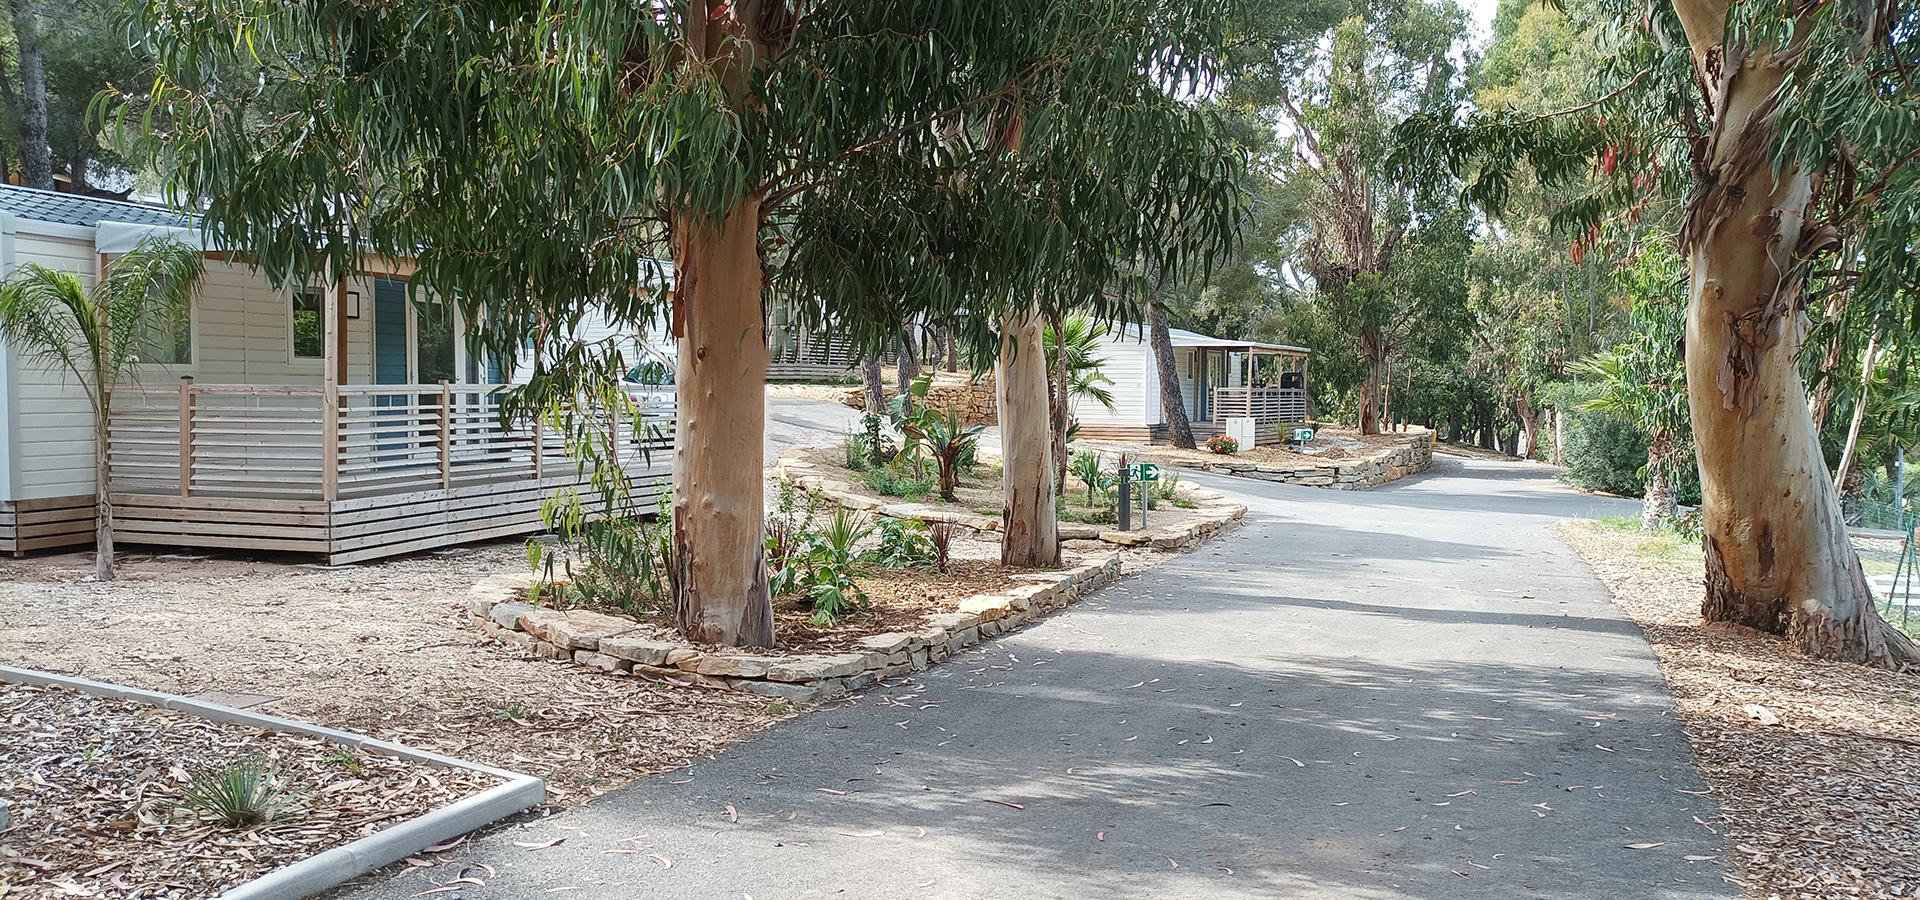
1219, 379
339, 419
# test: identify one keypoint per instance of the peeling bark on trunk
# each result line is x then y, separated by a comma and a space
1777, 554
720, 589
1172, 407
1030, 535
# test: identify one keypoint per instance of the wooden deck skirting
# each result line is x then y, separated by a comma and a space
27, 525
345, 472
360, 528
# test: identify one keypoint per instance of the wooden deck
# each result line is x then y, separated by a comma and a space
395, 469
27, 525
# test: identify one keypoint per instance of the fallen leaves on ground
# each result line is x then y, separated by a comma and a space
97, 784
1819, 789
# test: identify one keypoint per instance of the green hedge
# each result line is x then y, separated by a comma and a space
1604, 454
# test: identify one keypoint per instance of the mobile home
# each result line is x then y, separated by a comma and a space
339, 419
1219, 379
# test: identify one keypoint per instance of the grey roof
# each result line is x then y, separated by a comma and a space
77, 209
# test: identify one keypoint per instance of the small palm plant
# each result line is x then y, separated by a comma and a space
99, 334
1086, 467
241, 794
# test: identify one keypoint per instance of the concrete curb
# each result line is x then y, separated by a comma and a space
324, 870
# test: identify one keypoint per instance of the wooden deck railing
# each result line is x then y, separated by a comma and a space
271, 441
1262, 404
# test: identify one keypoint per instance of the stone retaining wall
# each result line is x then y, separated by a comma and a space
1391, 464
1213, 512
973, 398
620, 645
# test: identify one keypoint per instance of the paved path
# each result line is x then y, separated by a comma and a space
1412, 692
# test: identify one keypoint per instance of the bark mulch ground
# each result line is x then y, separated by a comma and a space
1815, 765
380, 649
97, 789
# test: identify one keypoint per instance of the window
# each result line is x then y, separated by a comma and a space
168, 340
309, 324
433, 342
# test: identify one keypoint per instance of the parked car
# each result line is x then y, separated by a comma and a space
649, 384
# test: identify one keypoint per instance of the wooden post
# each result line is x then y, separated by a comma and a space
332, 372
186, 435
446, 435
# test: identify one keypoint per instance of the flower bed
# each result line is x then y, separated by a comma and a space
115, 797
828, 667
1173, 526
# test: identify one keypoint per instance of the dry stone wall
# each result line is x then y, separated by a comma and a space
1391, 464
972, 397
620, 645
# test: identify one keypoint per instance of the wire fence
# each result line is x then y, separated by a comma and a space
1887, 554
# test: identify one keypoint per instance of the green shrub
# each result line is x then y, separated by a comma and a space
903, 543
1223, 445
1604, 454
856, 448
890, 482
1086, 467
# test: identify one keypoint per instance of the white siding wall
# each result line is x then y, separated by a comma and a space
596, 328
53, 439
1129, 362
241, 335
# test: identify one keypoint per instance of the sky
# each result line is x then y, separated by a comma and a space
1482, 12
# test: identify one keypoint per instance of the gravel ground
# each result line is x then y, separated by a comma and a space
1816, 766
98, 784
378, 649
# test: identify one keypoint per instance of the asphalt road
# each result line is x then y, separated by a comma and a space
796, 422
1410, 692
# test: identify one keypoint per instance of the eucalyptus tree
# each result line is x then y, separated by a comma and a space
98, 334
1789, 129
870, 159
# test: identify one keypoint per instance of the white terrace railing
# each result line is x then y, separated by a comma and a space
1262, 404
273, 441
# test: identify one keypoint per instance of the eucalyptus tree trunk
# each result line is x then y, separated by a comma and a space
1777, 554
1030, 534
719, 559
1373, 352
36, 156
1847, 451
1658, 504
1559, 457
908, 368
1529, 425
876, 387
1172, 407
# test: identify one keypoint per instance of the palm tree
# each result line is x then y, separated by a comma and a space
1643, 381
98, 334
1073, 368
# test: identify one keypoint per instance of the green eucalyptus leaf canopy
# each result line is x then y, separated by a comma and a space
531, 156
